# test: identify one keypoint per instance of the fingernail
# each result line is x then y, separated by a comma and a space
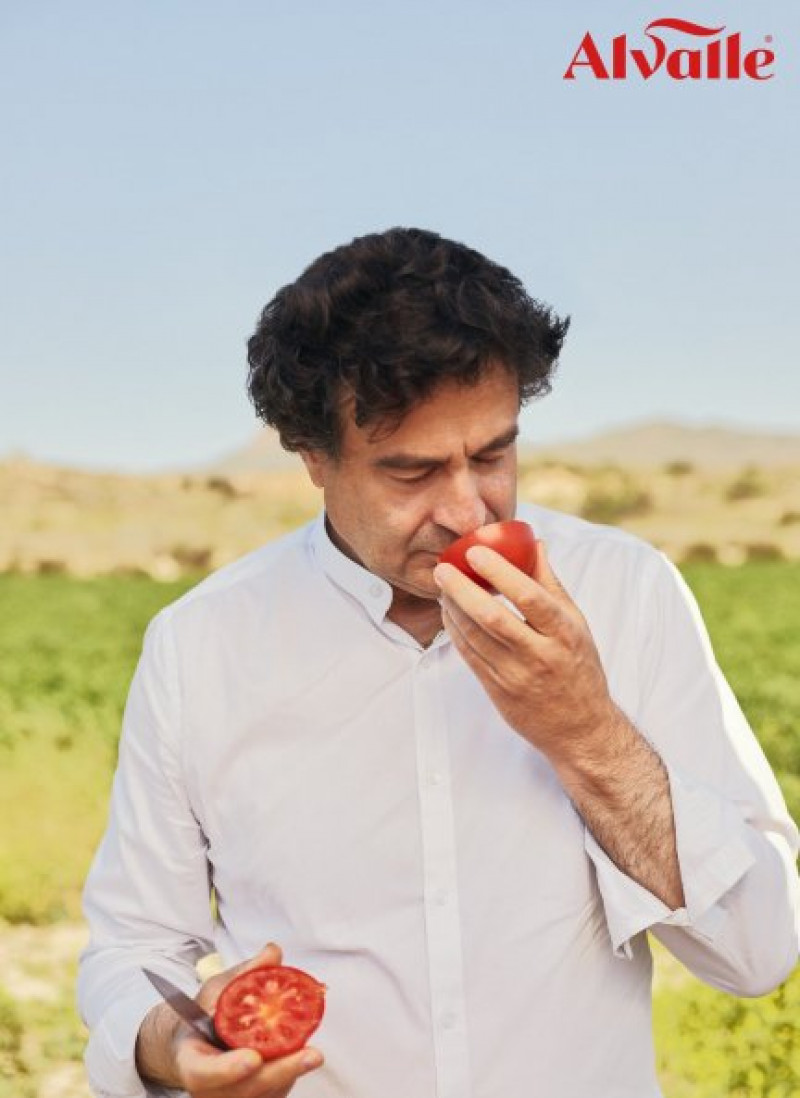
437, 574
248, 1061
476, 554
311, 1060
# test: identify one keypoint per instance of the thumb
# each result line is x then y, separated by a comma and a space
271, 954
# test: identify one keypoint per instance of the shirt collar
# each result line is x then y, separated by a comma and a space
374, 593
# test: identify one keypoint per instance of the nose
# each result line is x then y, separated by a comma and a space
461, 508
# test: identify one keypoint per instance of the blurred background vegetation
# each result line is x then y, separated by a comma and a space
68, 646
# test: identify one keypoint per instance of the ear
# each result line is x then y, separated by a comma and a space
316, 463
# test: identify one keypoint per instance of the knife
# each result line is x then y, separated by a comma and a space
188, 1009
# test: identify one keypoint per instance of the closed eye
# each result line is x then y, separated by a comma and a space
415, 478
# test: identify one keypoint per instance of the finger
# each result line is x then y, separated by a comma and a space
541, 606
544, 573
277, 1077
463, 634
203, 1067
271, 954
209, 1071
467, 631
486, 611
211, 990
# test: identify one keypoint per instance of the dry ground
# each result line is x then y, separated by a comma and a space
60, 520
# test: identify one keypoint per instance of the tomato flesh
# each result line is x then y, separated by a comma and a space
512, 539
273, 1009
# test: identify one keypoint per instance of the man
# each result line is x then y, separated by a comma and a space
461, 811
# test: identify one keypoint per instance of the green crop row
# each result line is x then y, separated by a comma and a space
712, 1045
67, 652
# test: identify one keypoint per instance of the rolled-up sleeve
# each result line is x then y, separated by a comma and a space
147, 896
737, 845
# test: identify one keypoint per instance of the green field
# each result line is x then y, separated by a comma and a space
67, 652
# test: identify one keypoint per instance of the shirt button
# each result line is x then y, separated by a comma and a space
448, 1020
440, 898
435, 778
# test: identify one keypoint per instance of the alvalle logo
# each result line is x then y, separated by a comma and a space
701, 53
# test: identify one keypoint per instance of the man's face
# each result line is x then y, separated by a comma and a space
396, 501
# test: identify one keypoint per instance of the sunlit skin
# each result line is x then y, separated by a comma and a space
394, 501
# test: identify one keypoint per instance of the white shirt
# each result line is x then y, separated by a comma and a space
357, 799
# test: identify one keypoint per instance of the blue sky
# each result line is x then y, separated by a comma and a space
168, 166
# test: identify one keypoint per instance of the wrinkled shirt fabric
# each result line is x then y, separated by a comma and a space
356, 798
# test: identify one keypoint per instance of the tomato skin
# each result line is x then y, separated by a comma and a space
513, 539
273, 1009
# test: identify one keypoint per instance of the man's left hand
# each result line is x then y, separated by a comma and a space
543, 673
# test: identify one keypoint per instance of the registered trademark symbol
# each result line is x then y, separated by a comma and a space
767, 37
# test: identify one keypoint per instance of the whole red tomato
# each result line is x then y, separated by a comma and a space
273, 1009
513, 539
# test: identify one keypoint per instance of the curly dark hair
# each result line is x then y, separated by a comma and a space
384, 320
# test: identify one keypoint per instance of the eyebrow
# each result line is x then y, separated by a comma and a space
419, 461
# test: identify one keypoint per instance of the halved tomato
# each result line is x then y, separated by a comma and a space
273, 1009
513, 539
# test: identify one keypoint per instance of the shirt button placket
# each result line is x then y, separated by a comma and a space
439, 875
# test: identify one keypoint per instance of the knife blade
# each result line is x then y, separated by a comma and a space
188, 1009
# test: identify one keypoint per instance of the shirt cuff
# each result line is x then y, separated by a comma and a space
713, 856
110, 1056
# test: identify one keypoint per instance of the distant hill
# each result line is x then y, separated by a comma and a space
657, 443
263, 454
649, 444
696, 493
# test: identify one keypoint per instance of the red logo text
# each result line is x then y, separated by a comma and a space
704, 53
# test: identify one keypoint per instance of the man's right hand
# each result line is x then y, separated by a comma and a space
170, 1053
